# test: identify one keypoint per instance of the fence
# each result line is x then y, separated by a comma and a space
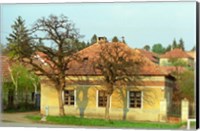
192, 107
174, 109
181, 111
10, 100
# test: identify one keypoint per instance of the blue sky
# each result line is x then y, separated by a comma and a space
140, 23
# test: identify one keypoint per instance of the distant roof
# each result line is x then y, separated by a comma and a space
192, 54
176, 53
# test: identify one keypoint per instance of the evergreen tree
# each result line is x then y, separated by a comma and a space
58, 56
169, 47
94, 39
193, 49
115, 39
174, 44
123, 40
88, 44
19, 40
181, 44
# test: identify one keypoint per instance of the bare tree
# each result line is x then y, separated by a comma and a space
118, 64
54, 41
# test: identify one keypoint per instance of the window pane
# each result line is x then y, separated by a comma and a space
135, 99
69, 97
102, 99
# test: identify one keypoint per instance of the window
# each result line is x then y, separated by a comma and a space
69, 97
102, 98
135, 99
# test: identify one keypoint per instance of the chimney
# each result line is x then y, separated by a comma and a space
101, 39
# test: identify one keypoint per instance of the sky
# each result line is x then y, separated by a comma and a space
141, 23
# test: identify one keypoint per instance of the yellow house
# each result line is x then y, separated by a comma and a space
176, 53
85, 96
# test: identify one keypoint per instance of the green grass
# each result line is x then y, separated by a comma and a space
72, 120
193, 124
34, 117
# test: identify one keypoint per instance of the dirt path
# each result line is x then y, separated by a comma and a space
17, 117
20, 120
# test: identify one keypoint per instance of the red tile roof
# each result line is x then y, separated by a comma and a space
92, 52
150, 55
176, 53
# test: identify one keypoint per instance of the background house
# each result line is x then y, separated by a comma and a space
176, 54
84, 94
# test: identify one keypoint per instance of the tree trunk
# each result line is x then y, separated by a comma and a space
26, 98
60, 102
109, 93
16, 96
107, 116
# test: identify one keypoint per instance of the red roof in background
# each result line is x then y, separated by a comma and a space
41, 54
43, 58
150, 55
5, 64
176, 53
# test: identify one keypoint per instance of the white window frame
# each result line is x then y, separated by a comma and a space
128, 100
63, 99
97, 100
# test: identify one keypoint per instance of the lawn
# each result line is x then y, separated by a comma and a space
72, 120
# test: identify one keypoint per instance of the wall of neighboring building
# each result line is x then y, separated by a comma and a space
169, 85
165, 61
86, 100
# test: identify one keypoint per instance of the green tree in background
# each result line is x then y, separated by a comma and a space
174, 44
158, 48
80, 44
181, 44
115, 39
181, 73
63, 49
94, 39
169, 47
186, 84
23, 81
19, 40
147, 47
123, 40
193, 48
